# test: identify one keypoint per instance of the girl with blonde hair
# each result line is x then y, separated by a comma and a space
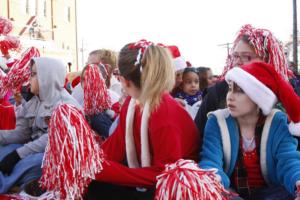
153, 130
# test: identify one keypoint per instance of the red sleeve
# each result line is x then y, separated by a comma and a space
165, 148
114, 146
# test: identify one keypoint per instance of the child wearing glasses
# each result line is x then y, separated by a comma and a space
251, 45
190, 96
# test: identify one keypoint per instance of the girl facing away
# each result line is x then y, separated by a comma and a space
144, 141
249, 142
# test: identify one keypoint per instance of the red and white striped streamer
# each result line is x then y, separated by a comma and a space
185, 180
96, 96
72, 156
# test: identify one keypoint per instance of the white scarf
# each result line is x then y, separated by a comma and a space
129, 139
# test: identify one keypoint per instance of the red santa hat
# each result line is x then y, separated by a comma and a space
265, 86
178, 60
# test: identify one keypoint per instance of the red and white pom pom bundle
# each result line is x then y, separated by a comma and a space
5, 26
72, 156
9, 43
185, 180
96, 96
20, 71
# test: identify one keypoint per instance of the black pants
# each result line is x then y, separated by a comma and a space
99, 190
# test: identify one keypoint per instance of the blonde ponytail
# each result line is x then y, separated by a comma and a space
158, 75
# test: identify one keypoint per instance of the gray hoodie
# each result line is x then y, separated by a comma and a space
31, 127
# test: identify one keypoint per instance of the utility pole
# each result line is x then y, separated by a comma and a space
82, 49
295, 37
227, 46
76, 35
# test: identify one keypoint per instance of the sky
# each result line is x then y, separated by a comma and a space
197, 27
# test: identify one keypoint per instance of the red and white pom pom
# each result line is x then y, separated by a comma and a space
5, 26
72, 156
11, 43
19, 73
185, 180
96, 97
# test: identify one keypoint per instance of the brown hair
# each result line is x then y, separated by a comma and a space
153, 76
106, 56
246, 38
203, 75
109, 59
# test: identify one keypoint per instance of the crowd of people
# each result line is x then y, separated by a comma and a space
144, 108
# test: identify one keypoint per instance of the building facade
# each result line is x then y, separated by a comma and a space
49, 25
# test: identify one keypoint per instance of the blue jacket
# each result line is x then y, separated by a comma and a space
279, 160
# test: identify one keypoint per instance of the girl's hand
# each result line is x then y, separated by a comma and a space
18, 98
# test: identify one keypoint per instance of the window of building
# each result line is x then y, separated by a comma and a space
23, 6
68, 14
45, 8
42, 8
31, 7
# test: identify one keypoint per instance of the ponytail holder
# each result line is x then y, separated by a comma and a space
142, 45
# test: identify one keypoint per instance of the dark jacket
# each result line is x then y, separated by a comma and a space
214, 99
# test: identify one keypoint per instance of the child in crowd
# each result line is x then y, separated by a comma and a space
190, 94
109, 59
22, 149
205, 78
250, 143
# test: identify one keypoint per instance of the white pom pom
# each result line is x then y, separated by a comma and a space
294, 128
185, 180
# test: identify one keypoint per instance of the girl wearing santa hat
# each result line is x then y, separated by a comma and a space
250, 143
251, 44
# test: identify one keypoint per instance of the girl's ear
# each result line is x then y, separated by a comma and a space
126, 82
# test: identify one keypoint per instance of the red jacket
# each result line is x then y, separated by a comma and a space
172, 135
